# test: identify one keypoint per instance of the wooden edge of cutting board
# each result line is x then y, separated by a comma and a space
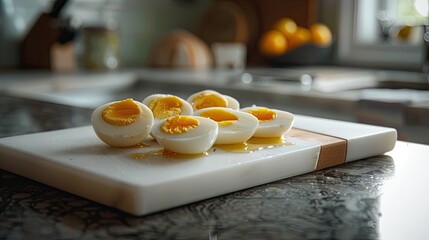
333, 150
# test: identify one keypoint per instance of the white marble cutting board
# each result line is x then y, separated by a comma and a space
75, 160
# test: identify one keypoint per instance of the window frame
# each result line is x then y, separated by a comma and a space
385, 55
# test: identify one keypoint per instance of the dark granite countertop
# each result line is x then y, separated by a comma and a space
382, 197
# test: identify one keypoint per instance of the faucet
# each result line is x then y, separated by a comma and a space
426, 50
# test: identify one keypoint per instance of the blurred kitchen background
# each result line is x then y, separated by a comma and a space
356, 60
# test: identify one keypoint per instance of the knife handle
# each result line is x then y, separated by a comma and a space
57, 7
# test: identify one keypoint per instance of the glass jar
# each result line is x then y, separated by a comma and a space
100, 48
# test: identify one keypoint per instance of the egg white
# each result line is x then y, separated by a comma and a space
122, 136
194, 141
230, 101
238, 132
277, 127
186, 107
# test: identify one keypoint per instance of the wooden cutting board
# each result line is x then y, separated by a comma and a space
141, 181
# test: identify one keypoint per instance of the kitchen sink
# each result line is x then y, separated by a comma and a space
334, 79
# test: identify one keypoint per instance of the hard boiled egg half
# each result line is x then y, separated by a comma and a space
210, 98
234, 126
272, 122
186, 134
166, 105
122, 123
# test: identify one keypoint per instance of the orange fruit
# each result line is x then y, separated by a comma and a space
404, 33
285, 25
273, 43
300, 37
320, 34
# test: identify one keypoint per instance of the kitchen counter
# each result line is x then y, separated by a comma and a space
393, 99
382, 197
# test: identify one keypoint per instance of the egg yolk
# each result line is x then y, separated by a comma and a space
207, 100
263, 114
222, 117
179, 124
165, 107
122, 113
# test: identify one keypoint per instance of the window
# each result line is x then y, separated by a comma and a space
369, 33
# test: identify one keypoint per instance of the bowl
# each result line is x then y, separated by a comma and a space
307, 54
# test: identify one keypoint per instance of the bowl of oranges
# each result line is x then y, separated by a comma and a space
286, 43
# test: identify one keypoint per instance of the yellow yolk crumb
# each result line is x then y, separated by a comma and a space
263, 114
179, 124
166, 107
207, 100
222, 117
122, 113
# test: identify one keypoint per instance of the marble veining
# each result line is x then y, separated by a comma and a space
341, 202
